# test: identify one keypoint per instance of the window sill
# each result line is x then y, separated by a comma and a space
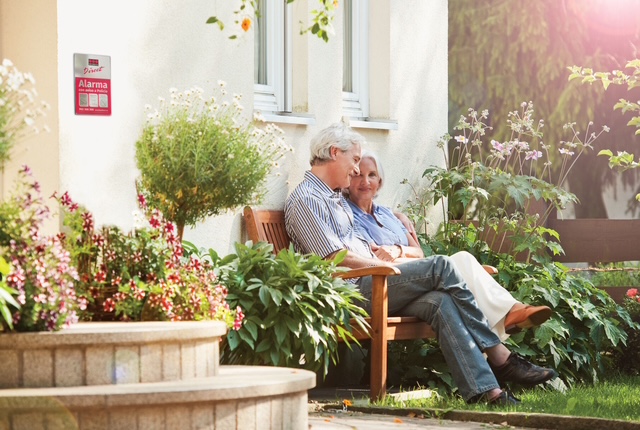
374, 123
289, 118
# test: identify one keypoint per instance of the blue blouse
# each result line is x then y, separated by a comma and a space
382, 227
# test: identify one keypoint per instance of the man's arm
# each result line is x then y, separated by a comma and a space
356, 261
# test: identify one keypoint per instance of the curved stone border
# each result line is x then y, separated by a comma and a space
111, 353
519, 419
239, 397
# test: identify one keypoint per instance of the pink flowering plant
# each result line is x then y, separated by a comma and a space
503, 186
625, 359
40, 272
632, 302
142, 274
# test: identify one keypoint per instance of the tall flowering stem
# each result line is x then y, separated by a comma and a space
503, 186
20, 109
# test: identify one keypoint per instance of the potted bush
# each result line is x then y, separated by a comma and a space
198, 158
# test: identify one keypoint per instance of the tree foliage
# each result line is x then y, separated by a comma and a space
503, 51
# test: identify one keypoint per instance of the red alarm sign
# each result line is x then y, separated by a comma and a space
92, 84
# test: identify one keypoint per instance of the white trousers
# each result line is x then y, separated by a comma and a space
493, 299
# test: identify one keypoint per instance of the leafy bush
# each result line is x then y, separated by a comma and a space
586, 333
295, 310
586, 323
200, 157
492, 191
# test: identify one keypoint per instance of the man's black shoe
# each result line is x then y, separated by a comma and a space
517, 369
504, 399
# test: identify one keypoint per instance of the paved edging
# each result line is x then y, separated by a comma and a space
518, 419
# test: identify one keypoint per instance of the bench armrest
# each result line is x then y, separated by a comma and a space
368, 271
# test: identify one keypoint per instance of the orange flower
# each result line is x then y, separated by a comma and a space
246, 24
398, 421
346, 402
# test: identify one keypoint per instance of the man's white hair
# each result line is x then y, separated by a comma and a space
339, 135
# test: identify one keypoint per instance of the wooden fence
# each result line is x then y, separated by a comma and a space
598, 241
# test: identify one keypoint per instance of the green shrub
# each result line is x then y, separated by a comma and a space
295, 310
583, 339
586, 323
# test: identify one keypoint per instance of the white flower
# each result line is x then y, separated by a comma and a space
461, 139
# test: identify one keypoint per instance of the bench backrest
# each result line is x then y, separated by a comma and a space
267, 226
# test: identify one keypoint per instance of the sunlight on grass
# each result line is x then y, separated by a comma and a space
615, 399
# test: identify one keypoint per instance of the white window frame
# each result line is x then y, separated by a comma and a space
355, 104
275, 95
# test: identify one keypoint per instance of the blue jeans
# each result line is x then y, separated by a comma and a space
433, 290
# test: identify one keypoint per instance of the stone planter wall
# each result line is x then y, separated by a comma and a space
142, 376
110, 353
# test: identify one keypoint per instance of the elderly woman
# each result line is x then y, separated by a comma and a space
391, 241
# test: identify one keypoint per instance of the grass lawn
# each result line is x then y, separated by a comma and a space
614, 399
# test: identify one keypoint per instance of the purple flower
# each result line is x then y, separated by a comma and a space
533, 155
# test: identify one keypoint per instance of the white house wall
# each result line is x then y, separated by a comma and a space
158, 44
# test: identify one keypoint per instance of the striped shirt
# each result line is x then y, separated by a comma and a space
320, 221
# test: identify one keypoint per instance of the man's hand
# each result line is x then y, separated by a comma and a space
386, 253
406, 222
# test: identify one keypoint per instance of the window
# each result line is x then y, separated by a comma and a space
355, 88
272, 67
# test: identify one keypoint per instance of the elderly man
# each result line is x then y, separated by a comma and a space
319, 220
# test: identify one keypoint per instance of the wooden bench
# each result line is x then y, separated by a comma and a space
268, 226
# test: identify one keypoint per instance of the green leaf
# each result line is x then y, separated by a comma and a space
5, 268
281, 331
251, 327
233, 340
264, 295
275, 357
606, 152
264, 345
6, 296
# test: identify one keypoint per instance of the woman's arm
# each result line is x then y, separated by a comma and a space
414, 250
406, 222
